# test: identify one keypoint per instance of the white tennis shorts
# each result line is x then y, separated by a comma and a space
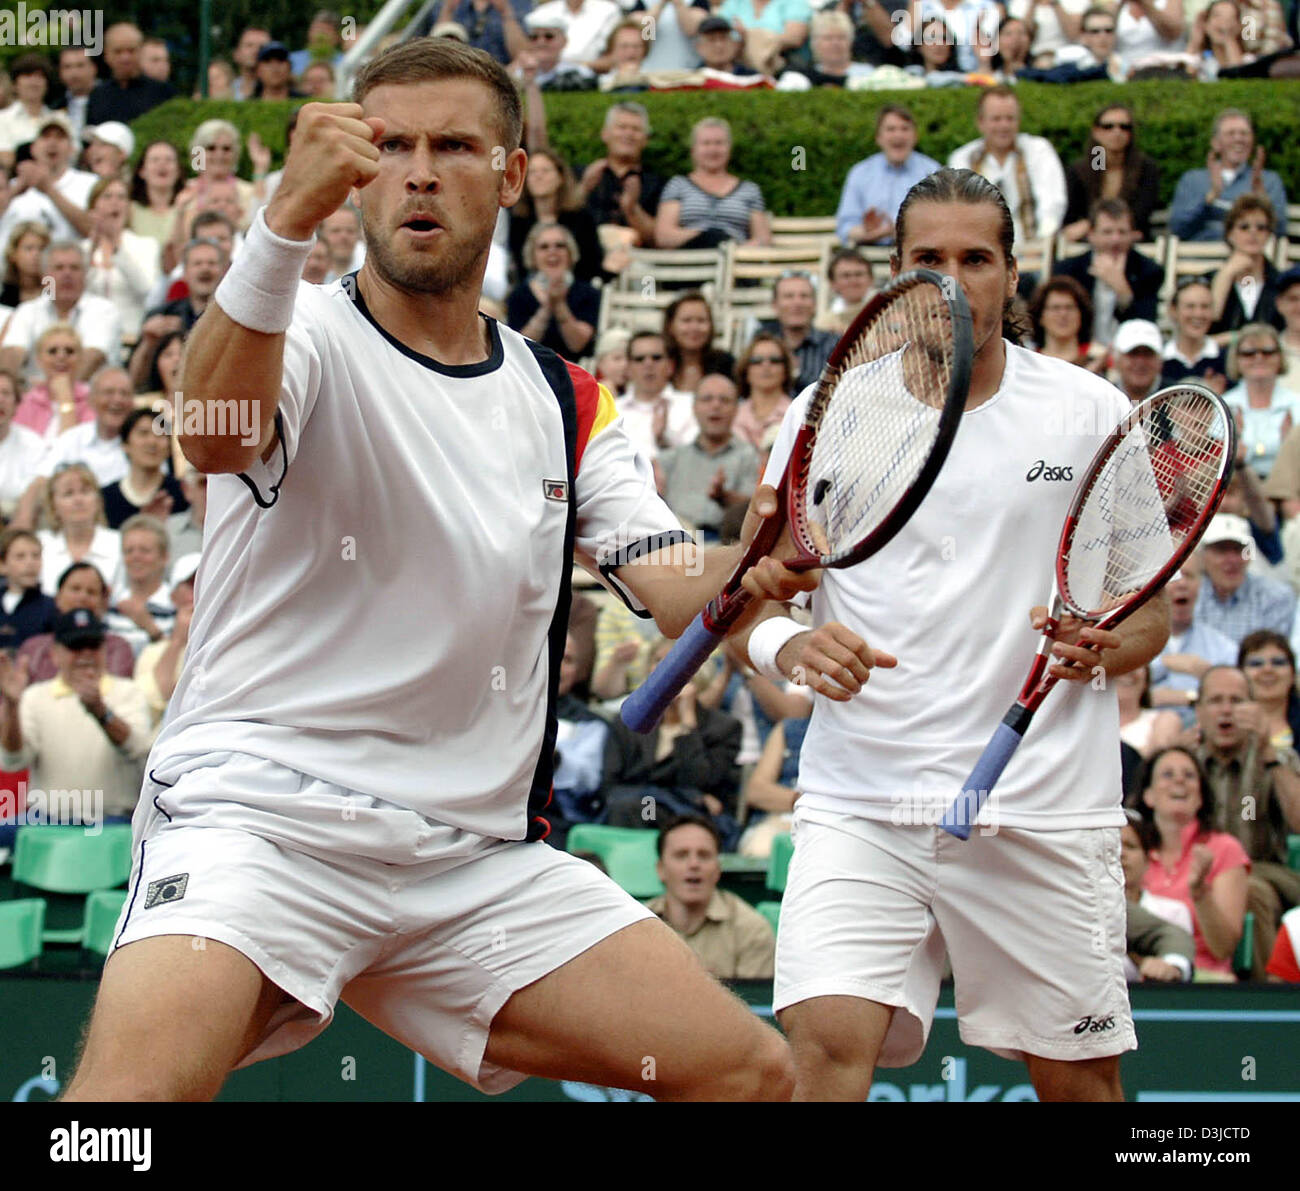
427, 951
1033, 922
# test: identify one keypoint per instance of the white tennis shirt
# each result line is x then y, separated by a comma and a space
950, 598
383, 604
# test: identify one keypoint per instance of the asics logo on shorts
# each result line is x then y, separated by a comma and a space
1094, 1025
1049, 473
169, 889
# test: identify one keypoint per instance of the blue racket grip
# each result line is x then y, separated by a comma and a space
961, 815
643, 707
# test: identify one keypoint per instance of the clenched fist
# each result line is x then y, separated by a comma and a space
333, 151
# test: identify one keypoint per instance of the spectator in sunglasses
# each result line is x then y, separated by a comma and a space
1266, 410
586, 25
58, 400
1245, 288
764, 377
1095, 48
553, 307
1112, 166
656, 416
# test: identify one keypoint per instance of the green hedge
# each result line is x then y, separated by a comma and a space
799, 146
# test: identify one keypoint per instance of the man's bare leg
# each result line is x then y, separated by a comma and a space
639, 1011
171, 1020
1083, 1079
836, 1042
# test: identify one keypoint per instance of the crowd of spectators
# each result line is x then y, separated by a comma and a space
112, 251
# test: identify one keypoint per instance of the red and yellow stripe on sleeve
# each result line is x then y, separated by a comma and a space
595, 406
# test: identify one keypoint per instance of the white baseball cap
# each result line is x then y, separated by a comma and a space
546, 20
1138, 332
1227, 527
185, 567
111, 132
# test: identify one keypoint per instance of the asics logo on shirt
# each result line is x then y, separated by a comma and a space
1049, 473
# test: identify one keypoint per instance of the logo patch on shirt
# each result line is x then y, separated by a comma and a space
169, 889
555, 490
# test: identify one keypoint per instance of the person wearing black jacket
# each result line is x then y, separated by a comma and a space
1122, 282
1111, 149
127, 93
687, 766
25, 610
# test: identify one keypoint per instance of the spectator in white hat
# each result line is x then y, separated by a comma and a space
543, 63
1139, 352
47, 189
1231, 599
588, 24
108, 148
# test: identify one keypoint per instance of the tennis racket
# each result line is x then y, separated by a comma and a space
875, 434
1139, 512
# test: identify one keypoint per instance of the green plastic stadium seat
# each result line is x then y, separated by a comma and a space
772, 912
21, 922
633, 866
778, 864
596, 837
1245, 953
72, 859
629, 855
103, 908
1293, 851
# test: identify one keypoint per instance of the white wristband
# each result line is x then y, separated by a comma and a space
259, 288
765, 643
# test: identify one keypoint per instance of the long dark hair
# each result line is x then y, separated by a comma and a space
1091, 178
139, 191
1204, 815
1060, 284
569, 198
743, 387
711, 359
966, 186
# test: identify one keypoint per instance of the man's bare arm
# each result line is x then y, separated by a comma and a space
333, 151
675, 583
224, 360
1129, 646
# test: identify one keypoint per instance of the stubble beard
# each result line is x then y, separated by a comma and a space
455, 267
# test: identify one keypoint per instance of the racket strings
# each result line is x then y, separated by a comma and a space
878, 416
1147, 499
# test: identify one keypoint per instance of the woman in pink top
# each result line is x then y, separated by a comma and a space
1204, 869
58, 401
764, 375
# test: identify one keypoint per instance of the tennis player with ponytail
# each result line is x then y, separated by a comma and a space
1031, 910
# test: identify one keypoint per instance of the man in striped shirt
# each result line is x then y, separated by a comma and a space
1232, 600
